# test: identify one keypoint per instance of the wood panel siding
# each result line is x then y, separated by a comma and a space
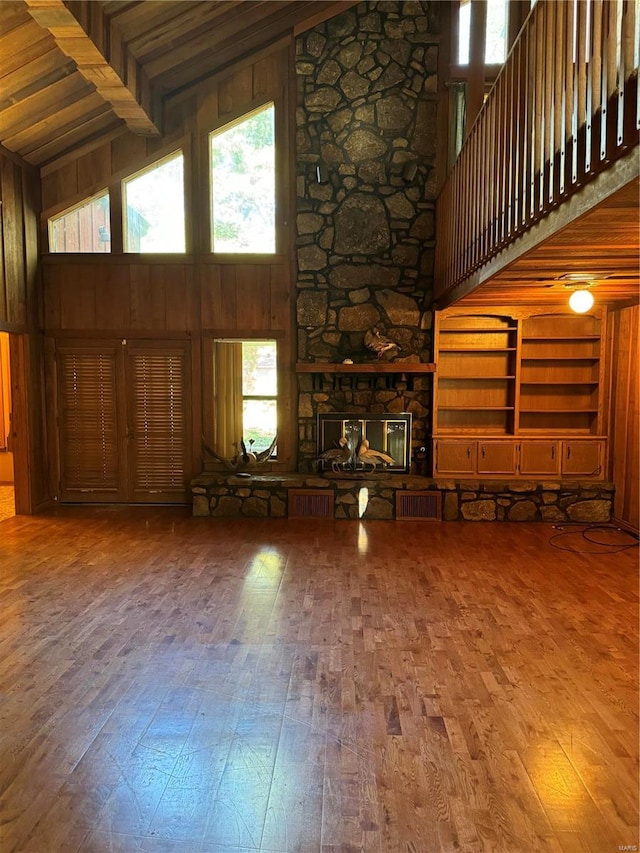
116, 294
172, 296
20, 315
625, 414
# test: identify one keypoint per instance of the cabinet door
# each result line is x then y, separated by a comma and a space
496, 457
453, 456
539, 457
582, 458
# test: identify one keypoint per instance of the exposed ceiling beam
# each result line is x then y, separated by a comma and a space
123, 86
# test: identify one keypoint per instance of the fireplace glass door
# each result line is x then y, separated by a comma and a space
388, 433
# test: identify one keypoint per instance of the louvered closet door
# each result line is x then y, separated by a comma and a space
158, 422
88, 425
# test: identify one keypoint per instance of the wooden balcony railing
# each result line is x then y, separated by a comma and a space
563, 108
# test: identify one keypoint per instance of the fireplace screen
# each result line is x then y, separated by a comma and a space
389, 434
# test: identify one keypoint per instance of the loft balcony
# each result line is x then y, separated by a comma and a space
545, 188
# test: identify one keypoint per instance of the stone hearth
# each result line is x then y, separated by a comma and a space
266, 495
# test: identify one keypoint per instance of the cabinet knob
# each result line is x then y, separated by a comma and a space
483, 451
568, 451
553, 451
469, 452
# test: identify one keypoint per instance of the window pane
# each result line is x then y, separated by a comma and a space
496, 41
464, 32
85, 228
260, 422
259, 370
243, 185
154, 205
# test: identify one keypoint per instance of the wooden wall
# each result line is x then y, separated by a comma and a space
625, 417
20, 315
193, 294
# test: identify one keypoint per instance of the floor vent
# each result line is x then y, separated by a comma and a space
311, 503
418, 506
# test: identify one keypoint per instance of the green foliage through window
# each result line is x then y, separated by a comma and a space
259, 392
243, 185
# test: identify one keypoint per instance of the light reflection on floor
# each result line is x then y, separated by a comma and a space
7, 502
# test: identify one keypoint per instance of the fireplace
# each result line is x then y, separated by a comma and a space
386, 433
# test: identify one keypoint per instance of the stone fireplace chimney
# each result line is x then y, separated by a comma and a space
366, 188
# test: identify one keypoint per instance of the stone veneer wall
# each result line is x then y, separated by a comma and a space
366, 119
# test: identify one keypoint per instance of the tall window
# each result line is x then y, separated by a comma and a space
82, 228
243, 185
495, 35
153, 205
245, 394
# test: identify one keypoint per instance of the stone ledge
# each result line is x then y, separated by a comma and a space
222, 495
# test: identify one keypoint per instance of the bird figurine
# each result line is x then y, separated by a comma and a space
378, 343
374, 458
337, 456
242, 458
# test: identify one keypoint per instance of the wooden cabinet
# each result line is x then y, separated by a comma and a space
523, 390
539, 458
497, 457
455, 457
582, 458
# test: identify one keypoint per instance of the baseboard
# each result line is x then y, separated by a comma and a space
625, 525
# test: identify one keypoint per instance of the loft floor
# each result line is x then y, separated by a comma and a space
191, 685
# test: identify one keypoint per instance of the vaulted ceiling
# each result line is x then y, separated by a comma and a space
72, 71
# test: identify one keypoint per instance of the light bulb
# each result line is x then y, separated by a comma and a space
580, 301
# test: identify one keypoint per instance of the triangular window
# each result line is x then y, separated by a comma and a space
82, 228
153, 205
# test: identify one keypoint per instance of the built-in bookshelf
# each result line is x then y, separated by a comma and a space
518, 394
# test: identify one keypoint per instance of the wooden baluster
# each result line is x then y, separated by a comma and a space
615, 92
595, 75
581, 88
538, 116
629, 80
504, 154
548, 112
559, 116
520, 74
490, 192
570, 115
510, 147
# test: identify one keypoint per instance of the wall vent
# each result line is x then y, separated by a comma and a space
418, 506
311, 503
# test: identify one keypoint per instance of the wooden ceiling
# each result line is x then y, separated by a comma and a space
70, 72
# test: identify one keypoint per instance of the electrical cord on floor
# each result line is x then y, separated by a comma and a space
612, 547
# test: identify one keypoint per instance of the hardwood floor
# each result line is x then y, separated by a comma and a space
183, 685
